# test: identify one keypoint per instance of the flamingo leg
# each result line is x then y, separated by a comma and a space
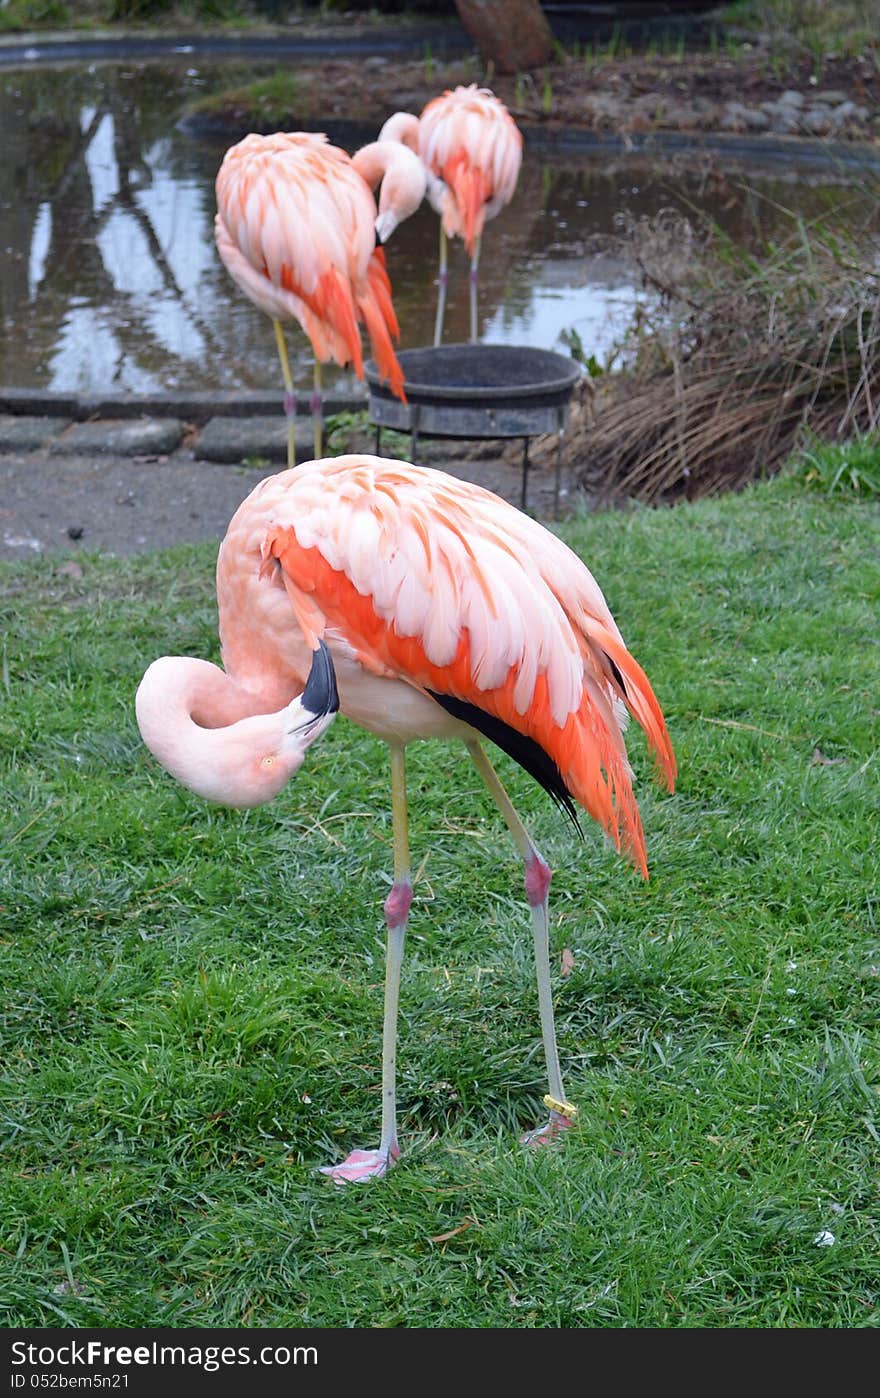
475, 268
537, 879
317, 406
442, 282
289, 393
370, 1164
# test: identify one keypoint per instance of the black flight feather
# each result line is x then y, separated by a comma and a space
529, 754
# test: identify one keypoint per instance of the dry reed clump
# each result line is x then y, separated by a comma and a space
739, 357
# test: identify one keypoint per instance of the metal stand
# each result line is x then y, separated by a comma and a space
480, 392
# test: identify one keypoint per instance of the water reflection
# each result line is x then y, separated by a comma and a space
109, 279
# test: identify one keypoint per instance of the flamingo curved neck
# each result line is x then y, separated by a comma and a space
402, 127
209, 733
401, 179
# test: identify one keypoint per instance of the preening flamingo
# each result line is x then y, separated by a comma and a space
472, 151
447, 614
296, 229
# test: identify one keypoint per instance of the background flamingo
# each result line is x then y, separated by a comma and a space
295, 228
472, 151
448, 614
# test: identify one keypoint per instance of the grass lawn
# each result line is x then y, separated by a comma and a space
191, 1010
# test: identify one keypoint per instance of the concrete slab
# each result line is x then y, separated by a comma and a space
231, 439
29, 433
114, 437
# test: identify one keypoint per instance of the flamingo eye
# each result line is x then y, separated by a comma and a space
267, 761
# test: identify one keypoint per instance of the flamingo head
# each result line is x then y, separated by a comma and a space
206, 731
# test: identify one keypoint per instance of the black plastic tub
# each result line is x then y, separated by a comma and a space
477, 391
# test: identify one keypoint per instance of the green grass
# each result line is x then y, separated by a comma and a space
192, 1005
817, 27
851, 467
269, 102
33, 14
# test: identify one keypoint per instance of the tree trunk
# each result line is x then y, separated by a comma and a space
511, 34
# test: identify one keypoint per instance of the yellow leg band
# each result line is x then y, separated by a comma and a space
563, 1108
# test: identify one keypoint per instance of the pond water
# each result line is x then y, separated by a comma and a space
109, 280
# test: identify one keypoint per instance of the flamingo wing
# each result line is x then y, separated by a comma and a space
294, 228
440, 584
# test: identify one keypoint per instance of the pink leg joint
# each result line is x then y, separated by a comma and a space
538, 876
397, 905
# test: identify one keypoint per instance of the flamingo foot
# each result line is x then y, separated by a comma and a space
362, 1165
548, 1133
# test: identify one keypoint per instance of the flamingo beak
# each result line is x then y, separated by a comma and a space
319, 700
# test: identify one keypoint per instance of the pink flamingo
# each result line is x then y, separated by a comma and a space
296, 229
472, 151
447, 614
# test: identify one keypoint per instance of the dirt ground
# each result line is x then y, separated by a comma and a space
62, 506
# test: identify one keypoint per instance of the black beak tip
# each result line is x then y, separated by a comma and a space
320, 695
